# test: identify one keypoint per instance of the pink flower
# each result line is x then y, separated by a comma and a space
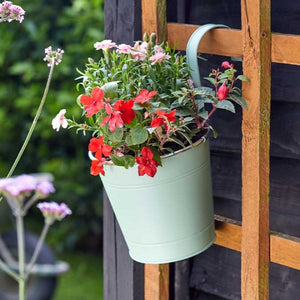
113, 119
190, 83
222, 92
104, 45
53, 211
53, 57
158, 48
144, 96
226, 65
139, 51
10, 12
158, 57
60, 120
147, 165
123, 48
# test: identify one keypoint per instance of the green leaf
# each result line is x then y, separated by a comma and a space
239, 100
126, 161
215, 133
211, 80
116, 136
242, 78
138, 135
225, 104
110, 88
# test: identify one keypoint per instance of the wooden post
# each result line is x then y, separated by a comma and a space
155, 18
157, 282
255, 145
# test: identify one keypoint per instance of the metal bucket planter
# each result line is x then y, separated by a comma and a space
168, 217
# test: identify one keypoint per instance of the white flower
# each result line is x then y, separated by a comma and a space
60, 120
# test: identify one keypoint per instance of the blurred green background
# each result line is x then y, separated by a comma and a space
73, 26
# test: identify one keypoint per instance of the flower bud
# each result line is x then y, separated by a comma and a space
222, 92
225, 64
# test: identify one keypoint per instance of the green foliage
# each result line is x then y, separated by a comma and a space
73, 26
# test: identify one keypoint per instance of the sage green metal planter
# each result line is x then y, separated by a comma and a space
169, 217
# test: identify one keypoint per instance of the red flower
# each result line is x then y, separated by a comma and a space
92, 104
144, 96
147, 165
97, 145
97, 165
161, 119
222, 92
125, 107
113, 118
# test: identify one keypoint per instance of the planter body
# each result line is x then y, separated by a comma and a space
169, 217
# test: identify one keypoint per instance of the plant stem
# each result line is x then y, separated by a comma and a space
6, 269
209, 115
34, 122
21, 252
37, 249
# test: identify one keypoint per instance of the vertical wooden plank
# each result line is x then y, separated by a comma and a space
156, 282
129, 272
255, 145
182, 278
109, 251
154, 18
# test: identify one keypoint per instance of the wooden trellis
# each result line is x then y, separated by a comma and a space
258, 47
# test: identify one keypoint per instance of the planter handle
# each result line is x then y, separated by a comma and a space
192, 49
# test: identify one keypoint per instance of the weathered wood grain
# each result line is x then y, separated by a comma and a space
256, 34
157, 281
216, 42
109, 254
154, 18
122, 20
284, 249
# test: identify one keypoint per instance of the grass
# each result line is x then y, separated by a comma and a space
83, 281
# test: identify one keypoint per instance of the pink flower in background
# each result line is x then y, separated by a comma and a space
123, 48
53, 211
44, 188
104, 45
60, 120
139, 51
10, 12
53, 57
25, 184
158, 57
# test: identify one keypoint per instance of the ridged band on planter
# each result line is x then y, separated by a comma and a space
168, 217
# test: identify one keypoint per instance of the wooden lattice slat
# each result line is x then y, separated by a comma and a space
284, 249
217, 42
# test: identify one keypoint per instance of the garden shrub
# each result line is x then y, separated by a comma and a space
73, 26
